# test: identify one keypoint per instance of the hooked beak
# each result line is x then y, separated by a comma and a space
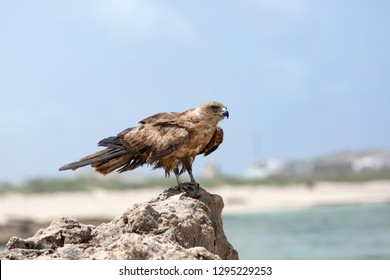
225, 112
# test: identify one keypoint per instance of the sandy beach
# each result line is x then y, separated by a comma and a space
238, 199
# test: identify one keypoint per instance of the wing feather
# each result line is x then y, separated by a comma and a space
161, 118
214, 142
170, 139
157, 141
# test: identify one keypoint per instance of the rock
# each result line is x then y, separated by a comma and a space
181, 223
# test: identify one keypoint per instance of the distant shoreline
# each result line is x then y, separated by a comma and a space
101, 204
255, 199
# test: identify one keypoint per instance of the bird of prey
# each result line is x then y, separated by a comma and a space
166, 140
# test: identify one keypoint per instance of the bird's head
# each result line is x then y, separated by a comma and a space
214, 110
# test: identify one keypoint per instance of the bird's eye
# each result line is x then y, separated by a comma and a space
214, 107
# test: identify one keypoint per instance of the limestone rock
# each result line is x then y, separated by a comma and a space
181, 223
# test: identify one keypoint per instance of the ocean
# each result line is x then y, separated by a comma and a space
318, 233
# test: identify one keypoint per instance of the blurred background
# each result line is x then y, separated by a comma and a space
306, 84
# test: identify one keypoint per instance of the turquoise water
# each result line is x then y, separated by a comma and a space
334, 232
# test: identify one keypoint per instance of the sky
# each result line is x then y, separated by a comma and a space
300, 78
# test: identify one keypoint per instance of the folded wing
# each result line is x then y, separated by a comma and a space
214, 142
157, 137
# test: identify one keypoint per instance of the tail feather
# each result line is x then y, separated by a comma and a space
99, 157
111, 142
117, 155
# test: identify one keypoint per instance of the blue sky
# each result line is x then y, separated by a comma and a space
300, 78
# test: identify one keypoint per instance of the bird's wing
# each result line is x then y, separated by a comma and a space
161, 118
157, 140
214, 142
169, 139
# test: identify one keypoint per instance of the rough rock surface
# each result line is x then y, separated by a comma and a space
181, 223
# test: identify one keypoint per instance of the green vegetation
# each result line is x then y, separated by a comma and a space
92, 182
77, 184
